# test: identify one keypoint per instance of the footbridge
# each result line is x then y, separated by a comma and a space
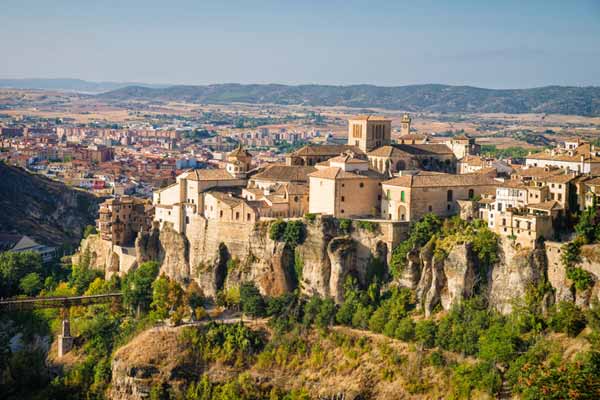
65, 340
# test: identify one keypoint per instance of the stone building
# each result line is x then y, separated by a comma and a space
463, 146
345, 187
576, 156
369, 132
410, 197
399, 157
120, 219
405, 125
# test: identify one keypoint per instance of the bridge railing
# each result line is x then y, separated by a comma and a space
30, 303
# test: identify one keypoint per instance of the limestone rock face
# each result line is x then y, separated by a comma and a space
342, 257
174, 254
460, 275
514, 273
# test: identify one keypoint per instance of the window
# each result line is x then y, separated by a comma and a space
248, 217
296, 199
342, 211
237, 215
559, 196
503, 221
449, 207
401, 195
187, 220
378, 197
471, 194
221, 214
430, 208
343, 198
361, 185
449, 195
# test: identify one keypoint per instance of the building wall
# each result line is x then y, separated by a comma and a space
322, 196
357, 197
420, 201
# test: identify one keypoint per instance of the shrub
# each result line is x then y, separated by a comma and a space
420, 234
277, 229
31, 284
499, 343
251, 300
482, 376
89, 230
425, 331
566, 317
368, 226
310, 217
345, 225
405, 330
295, 233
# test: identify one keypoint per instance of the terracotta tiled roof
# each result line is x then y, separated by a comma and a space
546, 206
209, 175
285, 173
441, 180
326, 150
412, 149
338, 173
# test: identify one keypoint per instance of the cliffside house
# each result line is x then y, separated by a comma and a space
120, 219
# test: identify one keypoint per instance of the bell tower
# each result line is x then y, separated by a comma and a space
405, 125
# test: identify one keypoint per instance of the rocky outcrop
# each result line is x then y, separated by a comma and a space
219, 255
517, 270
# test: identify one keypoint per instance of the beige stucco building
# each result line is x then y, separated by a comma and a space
345, 187
410, 197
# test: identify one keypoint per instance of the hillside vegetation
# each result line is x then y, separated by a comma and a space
416, 98
46, 210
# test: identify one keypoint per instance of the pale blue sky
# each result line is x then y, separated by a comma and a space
488, 43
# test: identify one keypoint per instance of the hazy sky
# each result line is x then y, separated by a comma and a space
489, 43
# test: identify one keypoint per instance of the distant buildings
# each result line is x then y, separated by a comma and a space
20, 243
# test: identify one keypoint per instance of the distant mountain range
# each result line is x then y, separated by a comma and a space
71, 85
416, 98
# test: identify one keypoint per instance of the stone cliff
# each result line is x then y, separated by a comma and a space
220, 255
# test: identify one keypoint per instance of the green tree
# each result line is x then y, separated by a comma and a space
160, 298
251, 300
31, 284
425, 331
137, 286
14, 267
568, 318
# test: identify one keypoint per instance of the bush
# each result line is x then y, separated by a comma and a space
251, 300
295, 233
566, 317
499, 344
89, 230
425, 331
277, 229
420, 234
345, 225
405, 330
368, 226
310, 217
31, 284
482, 376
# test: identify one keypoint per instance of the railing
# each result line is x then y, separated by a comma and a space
31, 303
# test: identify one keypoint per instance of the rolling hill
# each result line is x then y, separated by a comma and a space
416, 98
